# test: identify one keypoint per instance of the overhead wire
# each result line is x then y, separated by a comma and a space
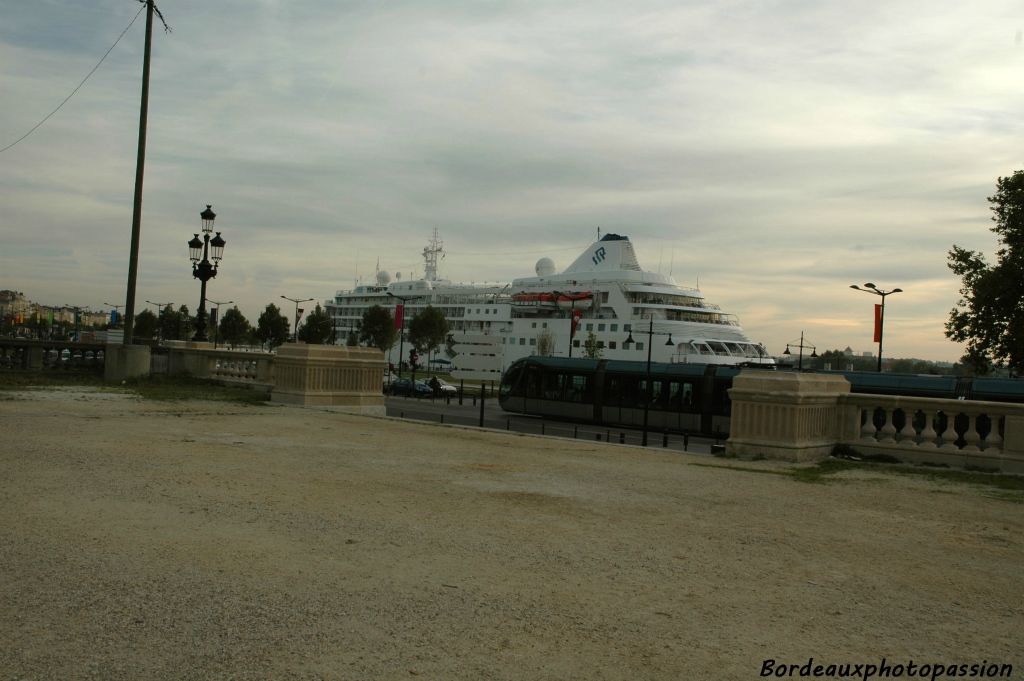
49, 115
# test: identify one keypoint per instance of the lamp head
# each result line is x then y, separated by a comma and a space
195, 249
786, 351
217, 247
896, 290
869, 285
208, 216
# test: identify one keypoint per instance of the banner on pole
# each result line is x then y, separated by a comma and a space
878, 323
399, 315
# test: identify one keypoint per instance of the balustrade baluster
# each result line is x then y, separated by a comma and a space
947, 438
928, 434
972, 439
994, 440
867, 431
888, 432
908, 434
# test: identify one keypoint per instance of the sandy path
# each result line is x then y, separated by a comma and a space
201, 540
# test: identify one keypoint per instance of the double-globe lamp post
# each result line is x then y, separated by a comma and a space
647, 391
215, 318
298, 313
871, 288
200, 252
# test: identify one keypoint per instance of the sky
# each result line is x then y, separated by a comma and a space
773, 152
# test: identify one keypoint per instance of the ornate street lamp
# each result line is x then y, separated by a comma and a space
647, 396
200, 252
880, 317
802, 347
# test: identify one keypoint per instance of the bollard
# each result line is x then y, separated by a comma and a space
664, 440
575, 431
481, 410
542, 428
597, 436
686, 442
474, 400
442, 418
622, 438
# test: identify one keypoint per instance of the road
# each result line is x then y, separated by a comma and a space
468, 414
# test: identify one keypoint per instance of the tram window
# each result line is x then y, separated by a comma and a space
578, 389
510, 385
533, 383
553, 386
680, 396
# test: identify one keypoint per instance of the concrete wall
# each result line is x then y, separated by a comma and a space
330, 376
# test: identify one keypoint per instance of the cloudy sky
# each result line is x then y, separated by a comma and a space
774, 151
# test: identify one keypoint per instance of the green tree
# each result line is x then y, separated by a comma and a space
428, 330
272, 327
377, 328
545, 343
318, 329
233, 327
146, 325
170, 324
591, 347
989, 316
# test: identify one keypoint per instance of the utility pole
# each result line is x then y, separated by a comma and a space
140, 165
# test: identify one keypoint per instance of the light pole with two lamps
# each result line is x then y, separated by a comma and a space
401, 328
159, 311
215, 318
202, 269
647, 396
880, 316
802, 347
298, 313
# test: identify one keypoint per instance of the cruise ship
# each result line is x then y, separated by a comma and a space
603, 304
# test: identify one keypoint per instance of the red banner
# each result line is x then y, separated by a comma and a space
399, 315
576, 314
878, 323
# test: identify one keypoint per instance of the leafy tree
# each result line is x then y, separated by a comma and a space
233, 327
318, 328
170, 324
377, 328
146, 325
990, 314
428, 330
352, 339
591, 348
272, 327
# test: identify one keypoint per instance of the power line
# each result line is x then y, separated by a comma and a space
37, 125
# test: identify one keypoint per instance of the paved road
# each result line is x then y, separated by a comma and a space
468, 414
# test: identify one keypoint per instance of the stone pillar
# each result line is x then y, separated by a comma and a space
121, 362
1013, 446
330, 376
786, 415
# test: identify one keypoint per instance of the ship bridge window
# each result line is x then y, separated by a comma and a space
701, 348
718, 348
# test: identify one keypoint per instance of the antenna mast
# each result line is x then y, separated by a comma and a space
434, 248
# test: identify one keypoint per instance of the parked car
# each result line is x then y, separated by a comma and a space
407, 388
446, 388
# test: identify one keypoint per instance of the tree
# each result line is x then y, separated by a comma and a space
591, 347
318, 329
146, 324
989, 316
233, 327
377, 328
428, 330
545, 343
272, 327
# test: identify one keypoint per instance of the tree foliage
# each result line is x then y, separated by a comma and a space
545, 343
146, 325
175, 324
591, 347
272, 327
989, 316
377, 328
428, 329
233, 328
318, 329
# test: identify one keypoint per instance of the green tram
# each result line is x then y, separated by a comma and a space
685, 398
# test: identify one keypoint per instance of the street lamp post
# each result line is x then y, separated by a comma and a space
298, 313
216, 314
801, 346
203, 270
160, 307
117, 309
647, 391
880, 325
401, 329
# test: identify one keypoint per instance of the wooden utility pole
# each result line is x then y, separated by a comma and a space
140, 164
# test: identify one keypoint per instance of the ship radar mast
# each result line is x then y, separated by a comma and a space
430, 253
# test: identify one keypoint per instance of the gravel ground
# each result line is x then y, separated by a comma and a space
203, 540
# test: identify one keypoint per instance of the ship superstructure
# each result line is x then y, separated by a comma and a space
603, 304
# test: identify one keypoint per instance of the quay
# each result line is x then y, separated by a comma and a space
204, 540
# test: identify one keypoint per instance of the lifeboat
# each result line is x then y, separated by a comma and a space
581, 300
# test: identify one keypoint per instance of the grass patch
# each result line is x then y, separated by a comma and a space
165, 388
169, 388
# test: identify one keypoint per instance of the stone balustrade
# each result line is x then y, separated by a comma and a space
800, 417
252, 369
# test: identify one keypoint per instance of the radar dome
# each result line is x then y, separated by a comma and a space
383, 279
545, 267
